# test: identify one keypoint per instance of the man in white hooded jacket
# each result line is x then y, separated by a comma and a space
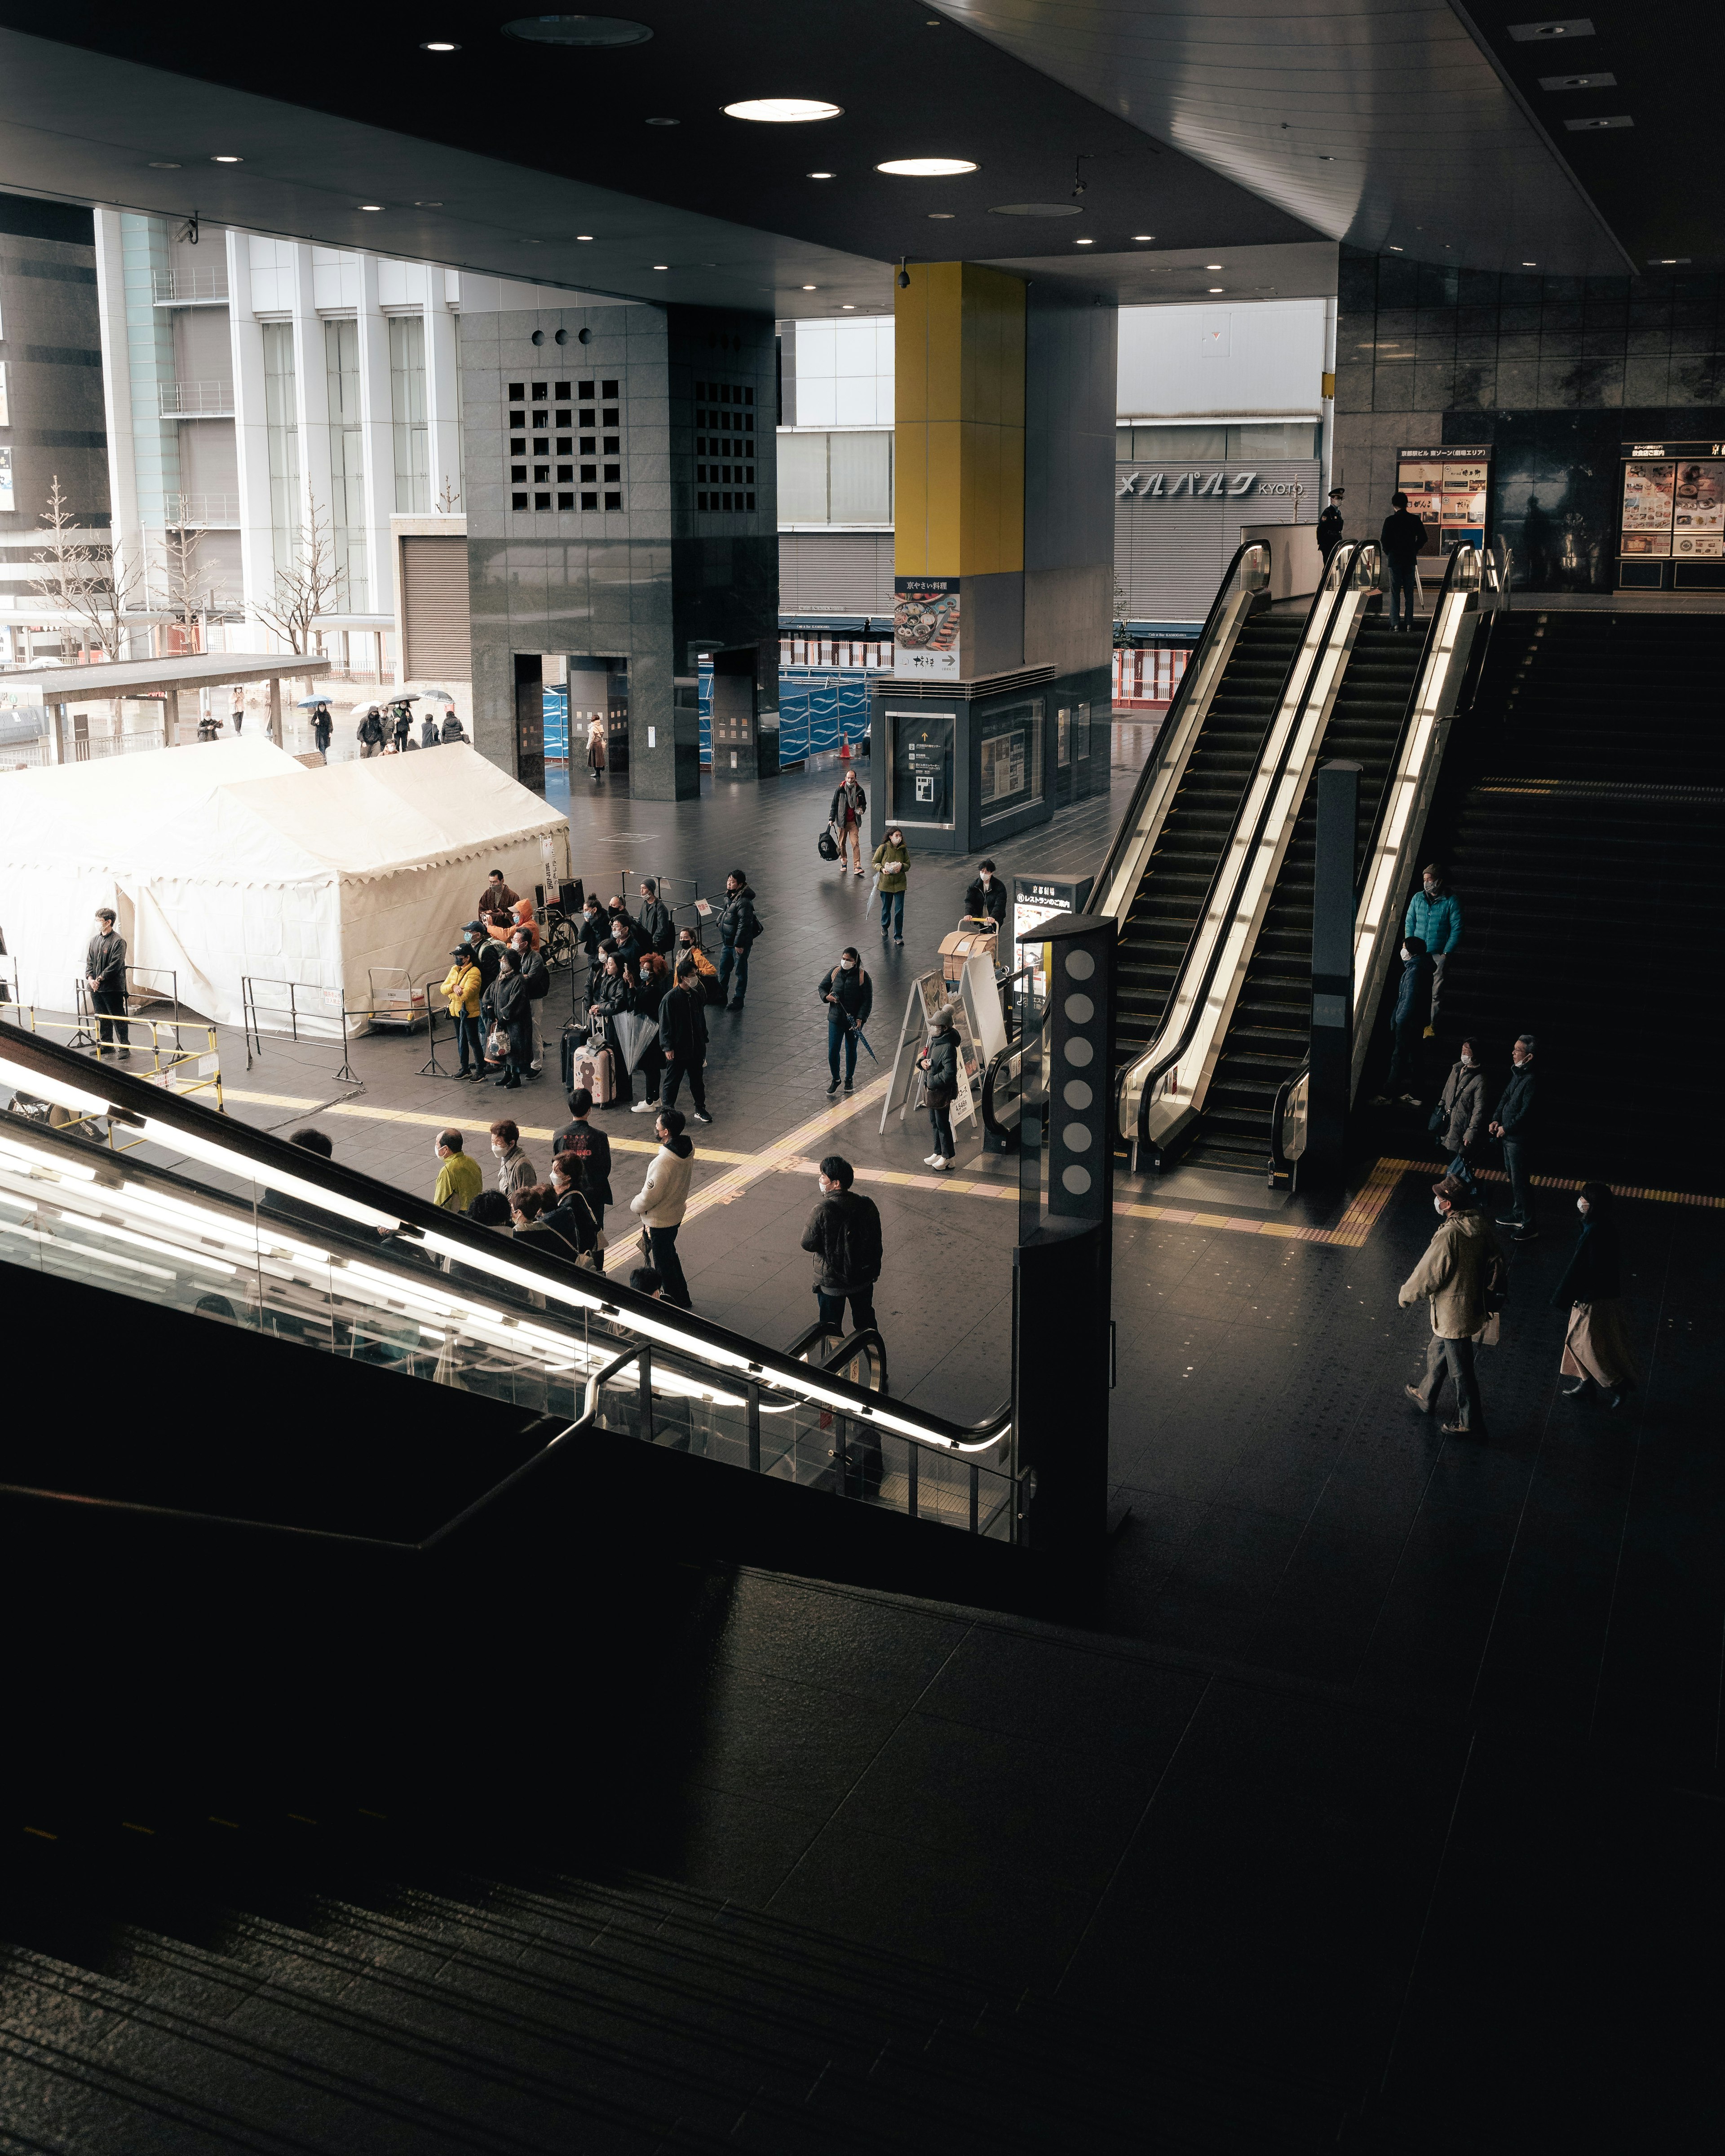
661, 1201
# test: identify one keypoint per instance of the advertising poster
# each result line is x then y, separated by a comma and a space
921, 766
1448, 489
926, 623
1649, 488
1699, 505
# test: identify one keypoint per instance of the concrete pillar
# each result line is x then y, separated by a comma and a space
311, 396
376, 422
251, 433
443, 399
276, 710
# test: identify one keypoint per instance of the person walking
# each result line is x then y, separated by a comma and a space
939, 1061
596, 749
104, 976
463, 985
849, 995
662, 1200
450, 730
403, 728
579, 1141
658, 930
739, 928
682, 1038
370, 732
1329, 525
892, 866
845, 815
237, 711
1461, 1275
1512, 1125
1403, 540
651, 990
535, 979
428, 729
986, 898
1435, 917
1407, 1025
507, 1012
515, 1170
323, 729
1597, 1350
844, 1233
1458, 1122
458, 1178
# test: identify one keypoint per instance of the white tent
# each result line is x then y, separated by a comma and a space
231, 858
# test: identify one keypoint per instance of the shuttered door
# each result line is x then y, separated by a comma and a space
434, 615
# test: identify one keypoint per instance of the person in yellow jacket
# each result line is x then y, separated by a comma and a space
462, 984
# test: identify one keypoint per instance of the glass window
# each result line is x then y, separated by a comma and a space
407, 411
347, 471
1063, 738
1291, 439
802, 479
1177, 445
1080, 731
282, 428
1010, 749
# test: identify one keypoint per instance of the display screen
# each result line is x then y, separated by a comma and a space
1009, 752
921, 766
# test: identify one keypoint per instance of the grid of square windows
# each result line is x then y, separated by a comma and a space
724, 447
545, 438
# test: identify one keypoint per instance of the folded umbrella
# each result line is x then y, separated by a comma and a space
863, 1038
634, 1031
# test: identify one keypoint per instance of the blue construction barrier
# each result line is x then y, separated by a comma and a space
818, 707
556, 726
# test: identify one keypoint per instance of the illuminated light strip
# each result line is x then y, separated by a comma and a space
174, 1251
24, 1079
40, 1160
235, 1163
82, 1249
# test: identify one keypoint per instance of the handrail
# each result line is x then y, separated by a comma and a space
1344, 563
997, 1061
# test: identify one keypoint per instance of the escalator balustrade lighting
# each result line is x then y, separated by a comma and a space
170, 1137
22, 1079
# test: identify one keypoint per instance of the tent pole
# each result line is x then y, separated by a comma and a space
276, 710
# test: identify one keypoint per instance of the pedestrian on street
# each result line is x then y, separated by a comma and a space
495, 900
237, 713
1461, 1276
1597, 1351
428, 729
370, 732
507, 1011
658, 930
578, 1140
535, 978
662, 1200
572, 1212
846, 816
1512, 1125
1407, 1025
515, 1170
682, 1039
651, 990
844, 1233
487, 951
458, 1178
1458, 1122
104, 976
1329, 525
596, 749
403, 728
738, 928
463, 985
1403, 541
986, 898
939, 1061
322, 729
1435, 917
450, 731
849, 995
892, 866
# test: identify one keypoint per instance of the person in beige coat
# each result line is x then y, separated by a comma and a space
662, 1200
1461, 1276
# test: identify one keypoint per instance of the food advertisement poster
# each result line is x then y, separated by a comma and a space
926, 626
1649, 485
1447, 489
1699, 506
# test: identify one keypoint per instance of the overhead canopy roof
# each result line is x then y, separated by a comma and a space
157, 677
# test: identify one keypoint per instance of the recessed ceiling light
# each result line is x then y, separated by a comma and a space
662, 265
577, 30
1215, 288
1084, 242
924, 168
1143, 236
427, 205
1530, 265
820, 175
162, 166
848, 307
782, 109
1212, 265
1324, 158
371, 205
227, 161
665, 123
583, 236
1395, 250
945, 215
439, 45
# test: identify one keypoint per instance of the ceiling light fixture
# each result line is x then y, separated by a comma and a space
924, 168
227, 161
665, 123
427, 205
1215, 288
439, 45
371, 205
1084, 242
782, 111
820, 175
1143, 236
848, 307
1530, 265
808, 288
583, 236
577, 30
163, 166
1212, 265
1395, 250
662, 265
944, 216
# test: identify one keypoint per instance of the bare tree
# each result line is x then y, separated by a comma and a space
189, 595
310, 585
448, 502
85, 581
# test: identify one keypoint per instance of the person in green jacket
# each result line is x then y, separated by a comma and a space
459, 1178
892, 866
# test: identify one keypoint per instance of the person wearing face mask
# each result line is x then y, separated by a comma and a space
1512, 1125
1461, 1276
1458, 1122
691, 947
1435, 917
849, 995
939, 1062
1412, 999
515, 1170
1597, 1351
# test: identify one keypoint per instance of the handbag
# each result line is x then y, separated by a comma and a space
826, 845
1490, 1331
497, 1043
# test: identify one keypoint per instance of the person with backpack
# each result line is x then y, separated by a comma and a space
579, 1141
849, 995
844, 1233
939, 1062
739, 926
845, 815
370, 732
658, 930
535, 979
682, 1038
892, 866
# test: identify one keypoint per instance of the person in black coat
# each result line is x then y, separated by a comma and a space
591, 1147
487, 951
738, 928
682, 1036
1597, 1350
1329, 525
1512, 1125
370, 732
986, 898
657, 930
940, 1065
651, 990
535, 978
843, 1237
403, 728
593, 927
323, 728
571, 1211
849, 995
1403, 540
1413, 1000
505, 1005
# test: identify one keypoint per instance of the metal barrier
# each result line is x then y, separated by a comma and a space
172, 1065
663, 883
139, 992
292, 1009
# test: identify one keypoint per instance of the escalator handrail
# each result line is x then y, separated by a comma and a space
997, 1061
1343, 564
272, 1160
1125, 829
1278, 1159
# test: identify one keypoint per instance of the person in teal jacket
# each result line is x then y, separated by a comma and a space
1435, 917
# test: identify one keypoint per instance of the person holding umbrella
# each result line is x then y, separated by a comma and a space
849, 995
403, 728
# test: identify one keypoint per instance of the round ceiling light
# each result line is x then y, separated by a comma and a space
924, 168
1036, 209
227, 161
162, 165
782, 110
820, 175
577, 30
439, 45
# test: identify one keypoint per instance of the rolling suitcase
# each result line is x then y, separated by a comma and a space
593, 1070
574, 1039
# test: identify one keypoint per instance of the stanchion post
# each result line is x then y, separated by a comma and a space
347, 1075
432, 1068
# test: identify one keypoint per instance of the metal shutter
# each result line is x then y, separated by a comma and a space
434, 618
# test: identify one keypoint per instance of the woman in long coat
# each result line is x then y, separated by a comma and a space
595, 748
1597, 1353
505, 1005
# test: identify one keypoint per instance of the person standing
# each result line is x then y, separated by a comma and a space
403, 728
689, 946
104, 975
658, 932
1512, 1125
1459, 1120
940, 1065
1329, 525
1435, 917
844, 1233
1403, 540
1461, 1275
322, 729
986, 898
237, 711
662, 1200
450, 730
487, 951
572, 1212
682, 1039
846, 816
892, 864
1597, 1351
535, 978
650, 991
458, 1179
370, 732
849, 995
596, 749
515, 1170
738, 928
579, 1141
592, 928
495, 900
463, 985
1413, 1000
507, 1011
